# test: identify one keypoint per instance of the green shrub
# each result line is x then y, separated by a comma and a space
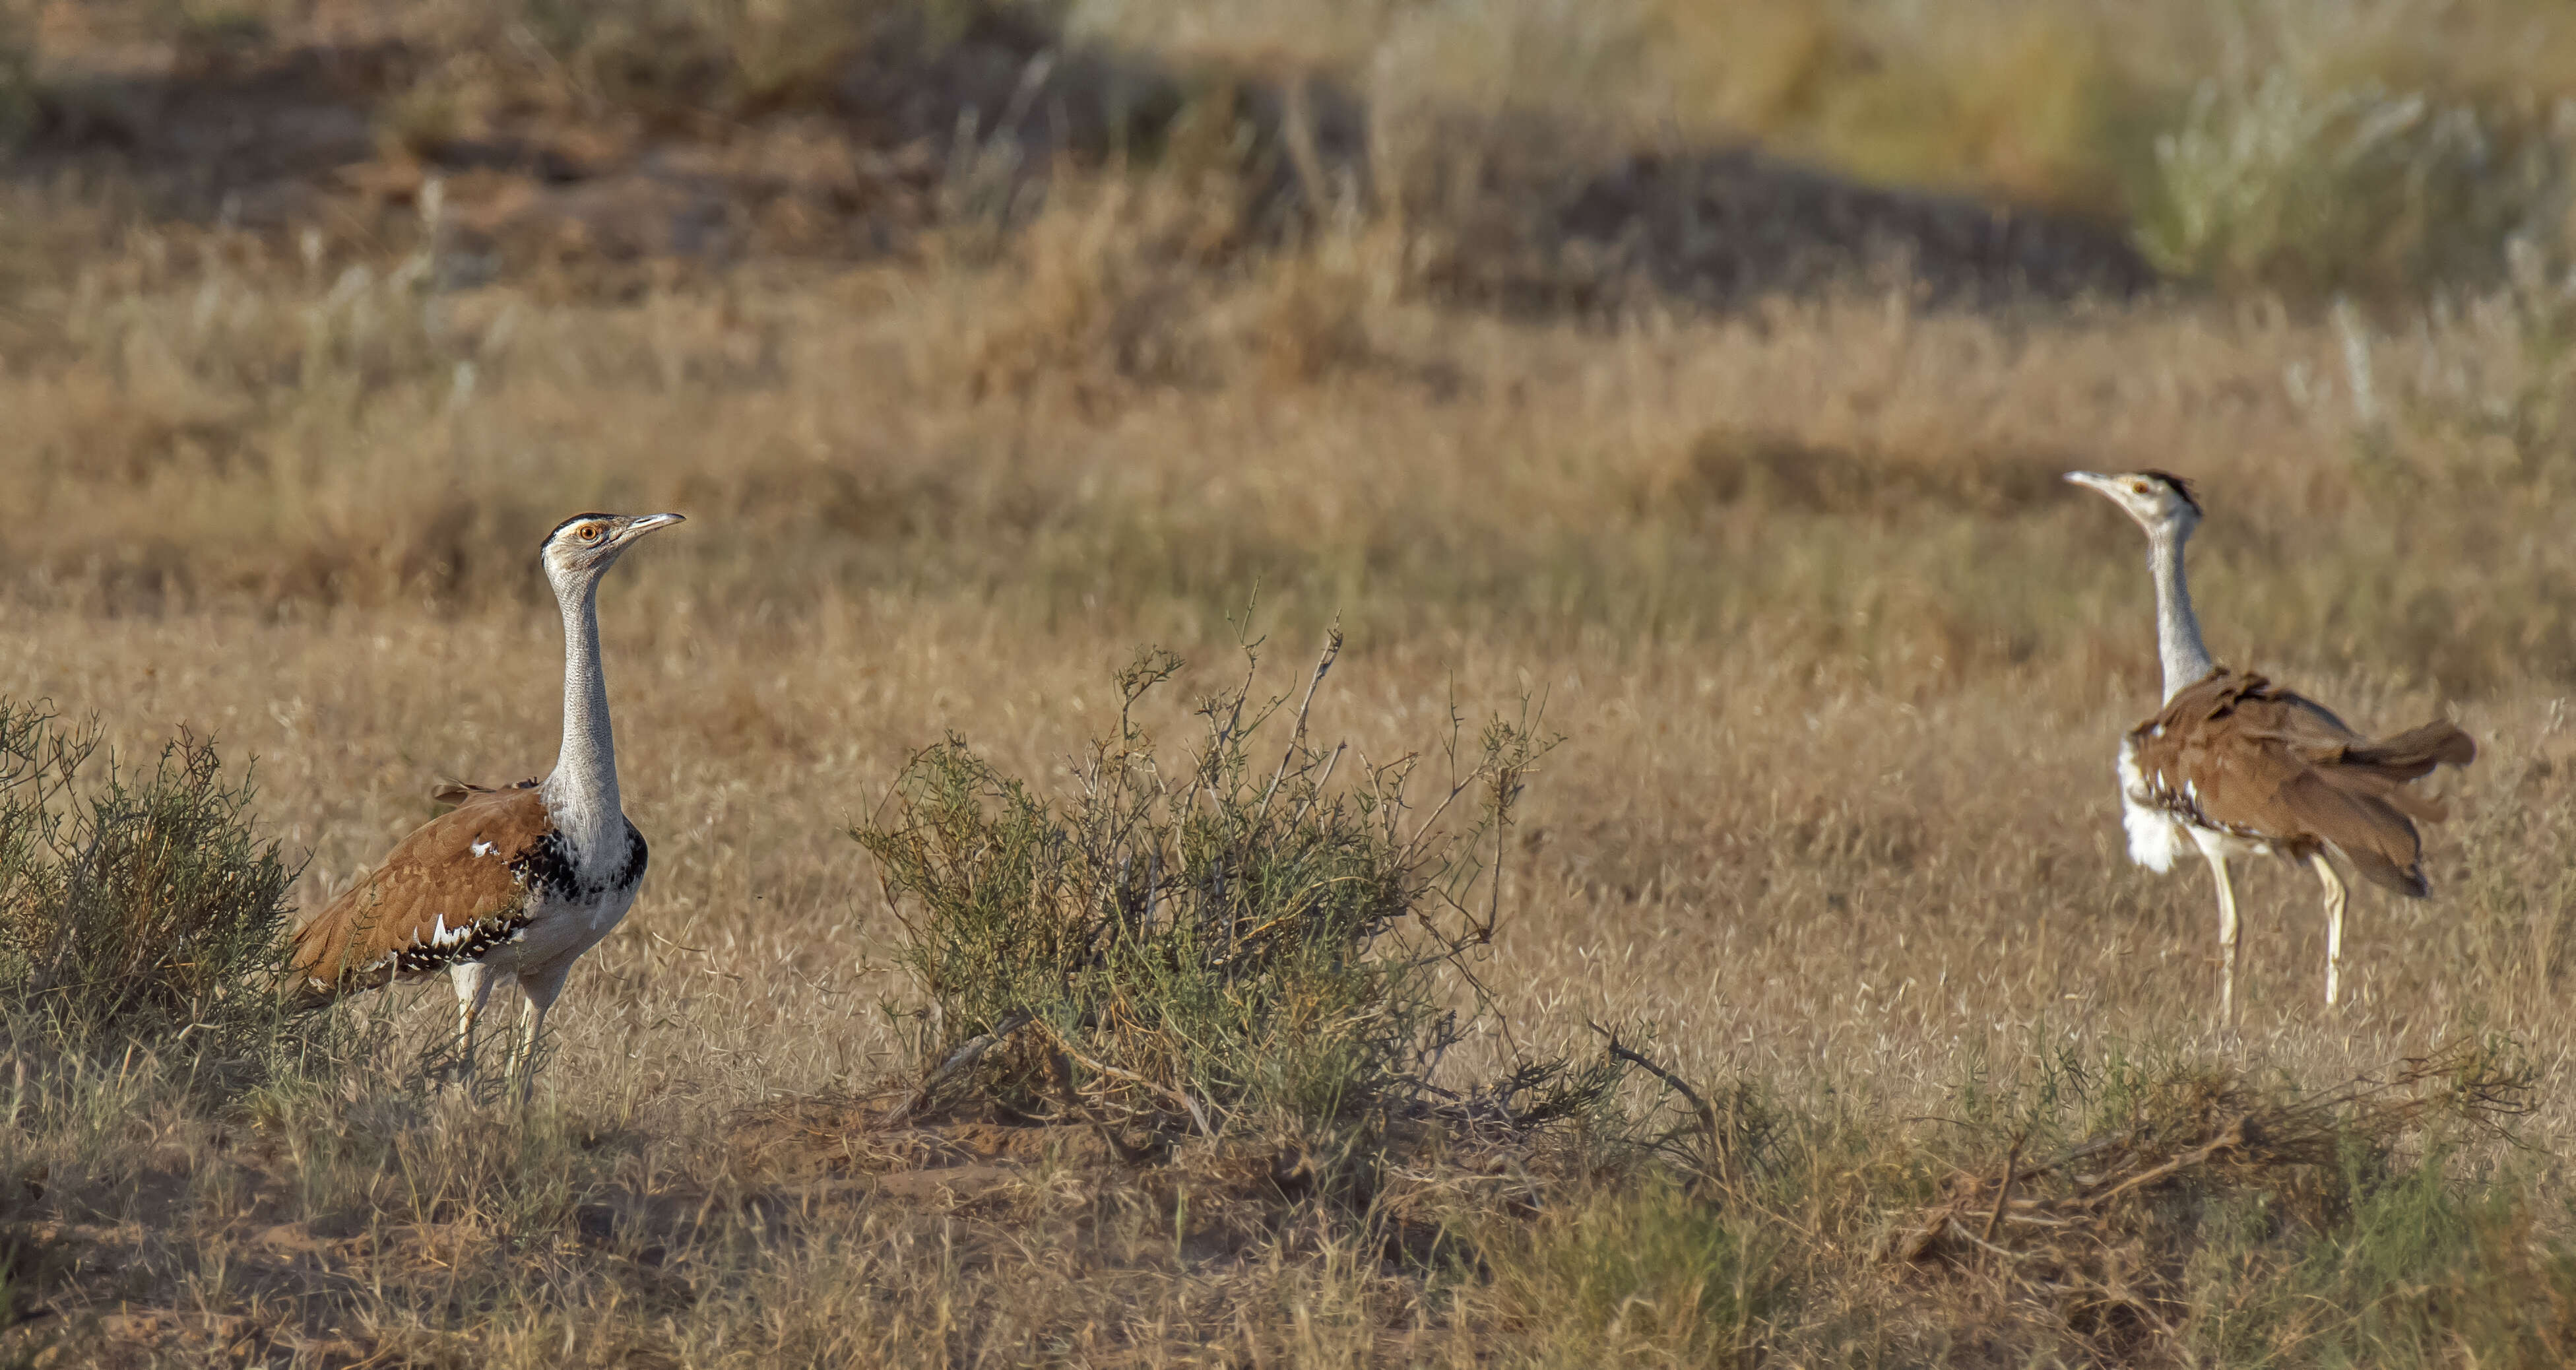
1280, 935
2275, 181
136, 911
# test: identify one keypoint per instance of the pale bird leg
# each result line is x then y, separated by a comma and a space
2227, 926
540, 992
2334, 925
473, 983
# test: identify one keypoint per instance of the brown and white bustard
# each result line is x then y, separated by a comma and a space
515, 882
2234, 765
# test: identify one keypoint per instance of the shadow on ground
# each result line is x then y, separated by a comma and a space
907, 135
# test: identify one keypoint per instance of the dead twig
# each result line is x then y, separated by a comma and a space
2231, 1138
2003, 1191
1181, 1096
963, 1058
1715, 1161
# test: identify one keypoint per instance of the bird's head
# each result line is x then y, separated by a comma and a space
2160, 501
585, 545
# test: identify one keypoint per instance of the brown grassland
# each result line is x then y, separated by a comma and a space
1835, 663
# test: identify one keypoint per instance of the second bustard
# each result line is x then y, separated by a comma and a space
515, 882
2237, 766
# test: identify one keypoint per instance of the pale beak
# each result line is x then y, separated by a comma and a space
647, 524
2091, 480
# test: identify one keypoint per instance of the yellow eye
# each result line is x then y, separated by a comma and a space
590, 532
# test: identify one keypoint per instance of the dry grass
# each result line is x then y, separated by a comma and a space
1838, 664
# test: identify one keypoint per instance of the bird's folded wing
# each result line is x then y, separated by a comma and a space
2363, 822
451, 891
2234, 753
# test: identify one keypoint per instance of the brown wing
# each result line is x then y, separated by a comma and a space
454, 889
2236, 754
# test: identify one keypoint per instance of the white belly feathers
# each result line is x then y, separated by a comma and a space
2154, 837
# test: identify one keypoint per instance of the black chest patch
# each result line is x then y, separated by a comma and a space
548, 873
631, 874
548, 870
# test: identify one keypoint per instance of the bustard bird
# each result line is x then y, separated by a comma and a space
2237, 766
516, 881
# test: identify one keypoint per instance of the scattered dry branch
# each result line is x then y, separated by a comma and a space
2086, 1230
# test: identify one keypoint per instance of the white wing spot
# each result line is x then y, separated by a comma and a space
484, 848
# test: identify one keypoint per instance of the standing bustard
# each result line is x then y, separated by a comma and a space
2240, 767
517, 881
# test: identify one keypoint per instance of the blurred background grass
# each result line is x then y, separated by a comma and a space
1118, 303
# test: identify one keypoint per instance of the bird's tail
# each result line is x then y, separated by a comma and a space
2412, 755
2360, 802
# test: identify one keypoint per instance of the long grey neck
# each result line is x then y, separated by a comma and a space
581, 795
2178, 643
